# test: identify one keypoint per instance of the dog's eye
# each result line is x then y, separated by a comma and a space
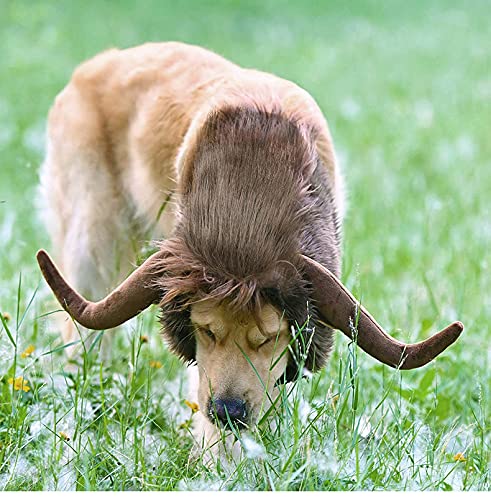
209, 334
267, 341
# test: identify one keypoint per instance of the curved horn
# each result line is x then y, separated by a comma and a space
339, 308
131, 297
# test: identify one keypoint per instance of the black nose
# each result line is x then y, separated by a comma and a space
235, 408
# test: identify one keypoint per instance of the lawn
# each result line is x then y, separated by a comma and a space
406, 89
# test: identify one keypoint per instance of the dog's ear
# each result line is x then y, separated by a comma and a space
178, 331
312, 340
311, 349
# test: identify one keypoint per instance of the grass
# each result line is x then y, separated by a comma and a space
407, 93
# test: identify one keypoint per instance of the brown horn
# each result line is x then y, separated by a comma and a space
131, 297
339, 309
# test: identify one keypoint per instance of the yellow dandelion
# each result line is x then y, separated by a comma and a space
155, 364
334, 401
64, 436
30, 349
194, 406
144, 339
6, 316
459, 457
19, 383
186, 424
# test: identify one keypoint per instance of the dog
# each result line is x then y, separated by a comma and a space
233, 170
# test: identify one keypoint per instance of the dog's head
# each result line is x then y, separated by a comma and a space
246, 338
240, 358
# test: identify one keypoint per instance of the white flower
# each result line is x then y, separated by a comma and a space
364, 427
304, 410
252, 448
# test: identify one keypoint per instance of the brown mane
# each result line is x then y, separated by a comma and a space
247, 214
243, 211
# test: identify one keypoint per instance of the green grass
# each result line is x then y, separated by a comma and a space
407, 92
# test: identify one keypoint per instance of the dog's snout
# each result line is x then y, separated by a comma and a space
234, 408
